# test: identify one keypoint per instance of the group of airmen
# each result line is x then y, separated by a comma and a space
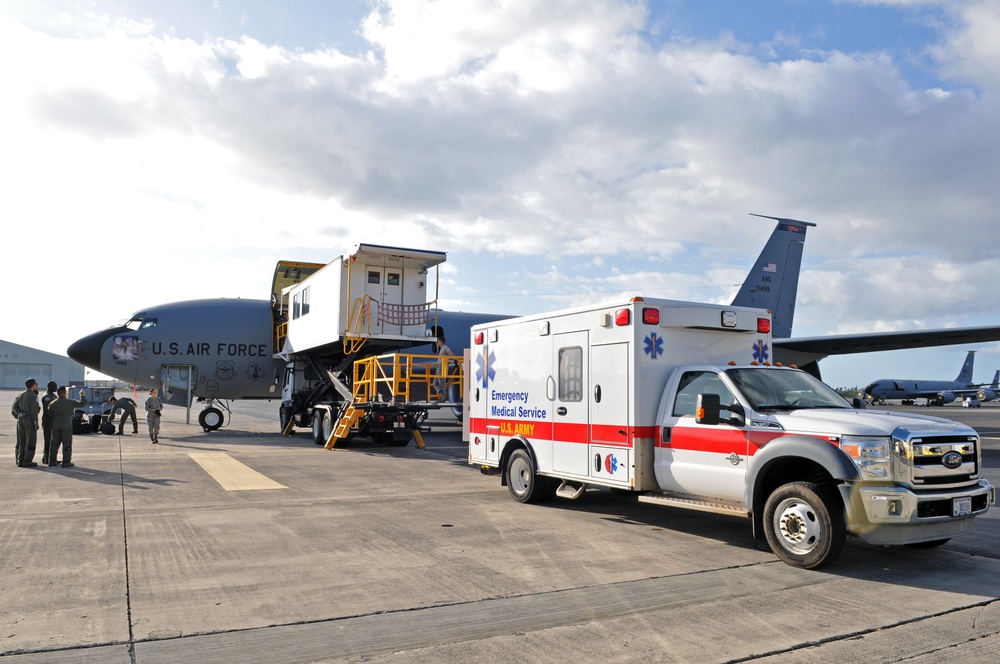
57, 411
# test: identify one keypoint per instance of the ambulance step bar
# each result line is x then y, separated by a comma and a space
571, 490
698, 505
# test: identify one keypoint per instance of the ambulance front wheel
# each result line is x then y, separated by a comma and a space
804, 525
526, 485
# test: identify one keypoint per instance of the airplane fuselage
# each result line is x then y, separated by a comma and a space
223, 346
945, 391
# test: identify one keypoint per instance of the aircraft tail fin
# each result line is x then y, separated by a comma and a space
995, 385
965, 375
773, 282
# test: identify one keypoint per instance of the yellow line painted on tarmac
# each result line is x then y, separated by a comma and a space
231, 474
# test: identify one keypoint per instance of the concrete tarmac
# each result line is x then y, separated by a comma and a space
243, 546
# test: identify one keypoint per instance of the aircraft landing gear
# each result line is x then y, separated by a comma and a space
211, 418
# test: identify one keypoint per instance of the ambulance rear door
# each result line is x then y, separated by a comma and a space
610, 425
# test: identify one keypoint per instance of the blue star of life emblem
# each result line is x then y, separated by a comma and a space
760, 351
653, 345
484, 368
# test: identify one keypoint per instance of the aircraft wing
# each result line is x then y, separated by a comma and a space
878, 341
805, 352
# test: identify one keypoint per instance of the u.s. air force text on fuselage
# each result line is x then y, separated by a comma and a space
204, 348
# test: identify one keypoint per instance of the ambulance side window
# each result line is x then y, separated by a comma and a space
692, 384
571, 374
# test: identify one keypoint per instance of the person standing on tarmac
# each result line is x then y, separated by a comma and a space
127, 407
27, 425
153, 407
62, 410
50, 396
440, 383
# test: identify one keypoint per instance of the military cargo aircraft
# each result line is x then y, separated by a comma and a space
231, 345
936, 392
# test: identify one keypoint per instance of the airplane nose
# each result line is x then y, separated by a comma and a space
87, 351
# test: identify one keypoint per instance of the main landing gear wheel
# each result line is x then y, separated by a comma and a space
804, 525
526, 485
210, 419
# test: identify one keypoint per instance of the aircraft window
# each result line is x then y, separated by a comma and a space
374, 278
571, 374
147, 323
305, 300
393, 279
132, 323
296, 305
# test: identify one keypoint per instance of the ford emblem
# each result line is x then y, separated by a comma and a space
951, 460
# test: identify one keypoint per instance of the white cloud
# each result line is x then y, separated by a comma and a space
509, 133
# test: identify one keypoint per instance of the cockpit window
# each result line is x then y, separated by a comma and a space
138, 323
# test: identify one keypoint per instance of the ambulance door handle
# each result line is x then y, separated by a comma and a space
561, 410
597, 394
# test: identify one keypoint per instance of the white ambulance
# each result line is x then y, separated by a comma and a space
678, 401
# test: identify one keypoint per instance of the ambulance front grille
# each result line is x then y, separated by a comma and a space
942, 460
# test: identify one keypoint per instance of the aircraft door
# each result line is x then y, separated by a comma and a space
177, 383
570, 434
700, 459
384, 285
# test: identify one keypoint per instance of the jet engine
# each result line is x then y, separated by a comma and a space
986, 395
944, 397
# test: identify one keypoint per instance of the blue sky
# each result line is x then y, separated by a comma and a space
560, 152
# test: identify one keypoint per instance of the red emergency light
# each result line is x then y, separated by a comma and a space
650, 316
479, 338
764, 325
623, 317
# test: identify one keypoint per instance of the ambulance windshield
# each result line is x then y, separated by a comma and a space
774, 388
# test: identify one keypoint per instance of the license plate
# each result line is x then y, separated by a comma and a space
961, 506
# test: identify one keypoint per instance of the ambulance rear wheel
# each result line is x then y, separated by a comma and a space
804, 525
524, 483
210, 419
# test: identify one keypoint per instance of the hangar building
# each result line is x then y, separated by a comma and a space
19, 363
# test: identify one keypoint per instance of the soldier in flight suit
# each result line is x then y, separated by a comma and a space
441, 349
62, 410
27, 425
153, 407
50, 396
127, 407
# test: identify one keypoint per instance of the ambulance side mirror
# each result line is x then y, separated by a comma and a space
709, 410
